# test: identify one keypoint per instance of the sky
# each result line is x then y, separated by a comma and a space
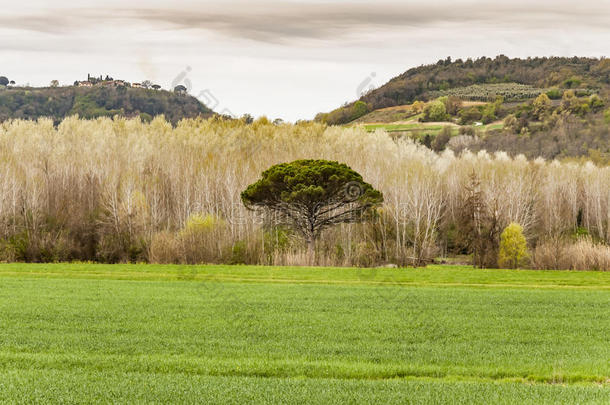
282, 59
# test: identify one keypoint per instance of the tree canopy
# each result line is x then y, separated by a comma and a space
513, 247
312, 195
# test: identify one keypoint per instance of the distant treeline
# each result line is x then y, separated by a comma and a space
114, 190
567, 126
60, 102
552, 135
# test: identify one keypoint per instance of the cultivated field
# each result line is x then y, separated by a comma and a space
432, 128
489, 92
222, 334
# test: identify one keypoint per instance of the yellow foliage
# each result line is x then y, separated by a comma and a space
513, 247
418, 106
201, 224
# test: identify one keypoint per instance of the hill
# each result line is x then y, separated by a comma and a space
521, 78
92, 102
548, 107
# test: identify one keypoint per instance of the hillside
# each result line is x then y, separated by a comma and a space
548, 107
528, 77
93, 102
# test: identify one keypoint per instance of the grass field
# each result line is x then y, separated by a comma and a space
405, 127
220, 334
426, 128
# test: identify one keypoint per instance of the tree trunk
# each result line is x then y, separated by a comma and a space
311, 251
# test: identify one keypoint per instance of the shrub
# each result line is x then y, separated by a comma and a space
452, 104
489, 114
359, 109
435, 111
460, 142
596, 103
470, 115
442, 139
466, 131
164, 249
511, 123
418, 106
562, 254
513, 247
554, 93
426, 140
198, 224
146, 117
572, 82
238, 253
201, 239
541, 106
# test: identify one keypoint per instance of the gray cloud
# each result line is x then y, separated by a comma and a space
282, 22
250, 53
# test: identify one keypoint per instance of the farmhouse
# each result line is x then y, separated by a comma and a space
106, 82
115, 83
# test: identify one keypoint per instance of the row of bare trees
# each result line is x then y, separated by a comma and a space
122, 190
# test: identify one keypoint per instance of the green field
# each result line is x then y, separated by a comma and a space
220, 334
426, 128
403, 127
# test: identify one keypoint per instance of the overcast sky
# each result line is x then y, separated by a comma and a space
283, 59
